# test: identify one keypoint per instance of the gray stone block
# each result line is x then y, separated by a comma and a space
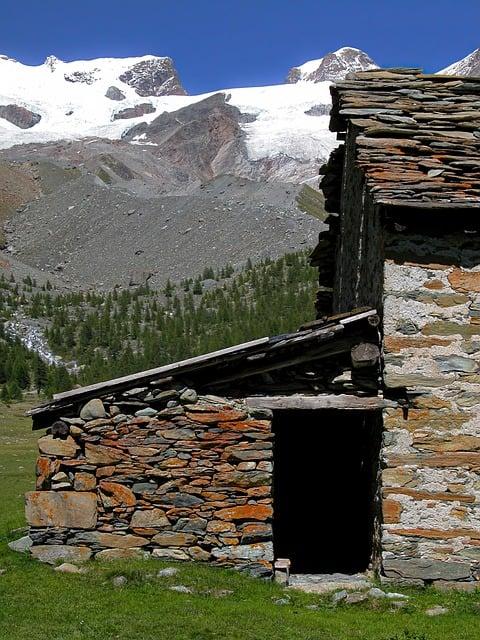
425, 569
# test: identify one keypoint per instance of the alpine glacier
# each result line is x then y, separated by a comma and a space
96, 99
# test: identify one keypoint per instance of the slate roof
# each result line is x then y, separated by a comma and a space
418, 136
313, 341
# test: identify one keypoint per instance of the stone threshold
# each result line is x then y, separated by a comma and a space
328, 582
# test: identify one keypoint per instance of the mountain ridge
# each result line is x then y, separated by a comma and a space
112, 181
468, 66
333, 66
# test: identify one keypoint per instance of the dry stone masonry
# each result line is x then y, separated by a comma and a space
162, 463
155, 471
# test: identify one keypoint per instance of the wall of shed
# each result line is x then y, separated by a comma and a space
430, 482
359, 256
156, 471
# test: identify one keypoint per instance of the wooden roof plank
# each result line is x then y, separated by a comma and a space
328, 330
168, 368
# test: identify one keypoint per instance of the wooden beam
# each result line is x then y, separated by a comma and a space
365, 354
320, 401
360, 316
159, 371
317, 352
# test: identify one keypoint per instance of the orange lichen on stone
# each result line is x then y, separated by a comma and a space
98, 454
431, 442
429, 495
425, 419
391, 510
71, 509
114, 494
398, 476
465, 281
208, 417
434, 284
246, 425
397, 343
439, 534
246, 512
465, 460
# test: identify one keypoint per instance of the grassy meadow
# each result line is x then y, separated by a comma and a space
36, 602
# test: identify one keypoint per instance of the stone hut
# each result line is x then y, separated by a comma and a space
351, 444
403, 193
227, 457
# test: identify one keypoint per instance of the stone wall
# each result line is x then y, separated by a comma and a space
156, 471
431, 460
359, 261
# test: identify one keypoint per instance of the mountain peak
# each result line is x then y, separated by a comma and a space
51, 62
153, 76
335, 65
468, 66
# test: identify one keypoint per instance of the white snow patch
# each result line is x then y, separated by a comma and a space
281, 126
462, 67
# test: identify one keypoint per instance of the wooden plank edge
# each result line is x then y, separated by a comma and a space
159, 370
321, 401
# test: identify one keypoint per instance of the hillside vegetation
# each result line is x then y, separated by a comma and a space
123, 331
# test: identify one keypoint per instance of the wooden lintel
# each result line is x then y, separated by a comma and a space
320, 401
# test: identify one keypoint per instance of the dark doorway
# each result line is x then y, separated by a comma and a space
325, 470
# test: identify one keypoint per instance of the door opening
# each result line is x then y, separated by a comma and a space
324, 484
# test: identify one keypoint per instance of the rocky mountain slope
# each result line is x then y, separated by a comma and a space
468, 66
333, 66
282, 130
104, 222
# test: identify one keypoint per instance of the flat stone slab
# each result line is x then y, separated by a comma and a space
111, 540
328, 582
22, 545
121, 554
425, 569
147, 518
54, 553
69, 509
57, 447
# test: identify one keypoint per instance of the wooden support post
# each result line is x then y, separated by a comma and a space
282, 571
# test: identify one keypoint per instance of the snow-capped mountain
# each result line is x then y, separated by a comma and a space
103, 162
333, 66
468, 66
59, 99
285, 125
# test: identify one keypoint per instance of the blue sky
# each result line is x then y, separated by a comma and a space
219, 44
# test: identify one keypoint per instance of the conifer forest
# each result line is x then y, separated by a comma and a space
94, 336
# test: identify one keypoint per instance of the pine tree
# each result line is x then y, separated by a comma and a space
14, 390
5, 395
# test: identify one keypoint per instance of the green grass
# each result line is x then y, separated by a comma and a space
36, 602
